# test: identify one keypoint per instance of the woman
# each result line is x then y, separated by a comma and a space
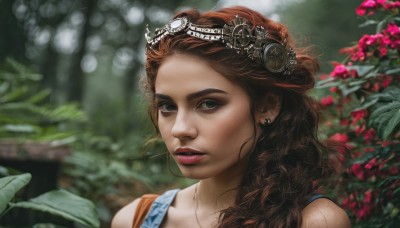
229, 100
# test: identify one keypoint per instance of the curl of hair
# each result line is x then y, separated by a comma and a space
286, 163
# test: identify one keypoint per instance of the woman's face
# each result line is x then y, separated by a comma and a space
203, 118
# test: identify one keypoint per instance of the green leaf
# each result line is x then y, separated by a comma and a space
368, 103
357, 82
4, 86
66, 205
329, 82
362, 70
385, 97
367, 23
45, 225
388, 180
393, 71
385, 108
39, 96
380, 26
391, 125
19, 128
14, 94
348, 90
9, 186
22, 71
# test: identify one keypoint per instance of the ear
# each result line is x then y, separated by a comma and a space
268, 108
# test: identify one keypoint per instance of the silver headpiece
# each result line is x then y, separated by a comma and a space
238, 35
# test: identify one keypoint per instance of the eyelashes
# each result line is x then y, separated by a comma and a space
166, 107
208, 105
205, 106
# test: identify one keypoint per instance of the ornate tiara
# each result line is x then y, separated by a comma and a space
239, 35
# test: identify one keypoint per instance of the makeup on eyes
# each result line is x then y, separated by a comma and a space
211, 98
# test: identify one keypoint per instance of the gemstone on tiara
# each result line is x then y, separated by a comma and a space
177, 25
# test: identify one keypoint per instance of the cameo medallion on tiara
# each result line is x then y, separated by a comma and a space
275, 57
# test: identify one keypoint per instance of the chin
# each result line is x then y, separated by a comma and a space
194, 174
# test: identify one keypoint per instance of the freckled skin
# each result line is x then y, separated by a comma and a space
217, 129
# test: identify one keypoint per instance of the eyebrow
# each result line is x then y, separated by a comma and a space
192, 96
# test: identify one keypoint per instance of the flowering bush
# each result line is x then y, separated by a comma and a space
361, 98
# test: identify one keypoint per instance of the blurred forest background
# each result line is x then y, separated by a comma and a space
81, 62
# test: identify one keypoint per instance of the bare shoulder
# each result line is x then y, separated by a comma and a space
124, 217
324, 213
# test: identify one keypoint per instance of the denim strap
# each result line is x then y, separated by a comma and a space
159, 209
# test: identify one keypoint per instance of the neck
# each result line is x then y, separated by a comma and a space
218, 193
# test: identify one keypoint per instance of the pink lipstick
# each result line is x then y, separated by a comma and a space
188, 156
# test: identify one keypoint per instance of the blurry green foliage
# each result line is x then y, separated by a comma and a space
24, 110
56, 202
327, 25
95, 48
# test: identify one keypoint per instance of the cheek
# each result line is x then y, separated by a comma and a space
233, 130
165, 130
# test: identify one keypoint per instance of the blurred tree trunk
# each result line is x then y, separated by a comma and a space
76, 77
12, 38
49, 71
49, 62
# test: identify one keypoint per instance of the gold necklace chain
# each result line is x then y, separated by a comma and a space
196, 205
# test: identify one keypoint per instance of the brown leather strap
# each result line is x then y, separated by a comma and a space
142, 209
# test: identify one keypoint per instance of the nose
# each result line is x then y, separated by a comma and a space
184, 127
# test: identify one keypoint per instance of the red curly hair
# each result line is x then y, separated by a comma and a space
286, 162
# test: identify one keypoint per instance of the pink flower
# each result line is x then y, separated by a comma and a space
371, 39
358, 56
368, 197
348, 50
393, 29
366, 5
385, 40
360, 129
334, 89
350, 203
344, 122
395, 44
357, 170
354, 73
369, 135
371, 163
327, 101
323, 76
385, 143
369, 4
383, 51
376, 87
372, 5
360, 11
359, 114
393, 170
342, 138
369, 149
364, 212
393, 5
386, 81
340, 71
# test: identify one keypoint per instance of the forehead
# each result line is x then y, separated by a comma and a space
187, 72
